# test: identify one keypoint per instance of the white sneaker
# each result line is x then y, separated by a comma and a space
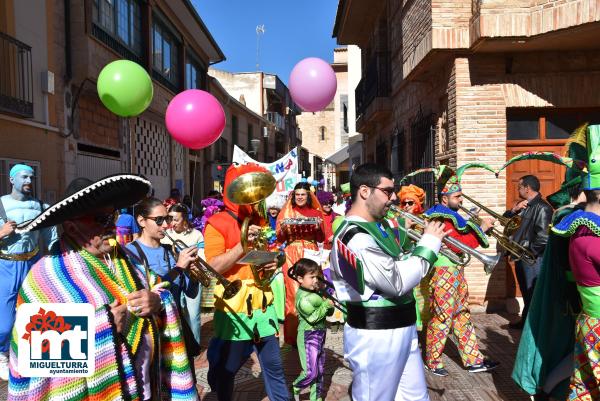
4, 366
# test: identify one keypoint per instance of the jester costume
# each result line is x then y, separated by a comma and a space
312, 310
375, 279
449, 293
544, 362
147, 360
583, 229
299, 239
248, 321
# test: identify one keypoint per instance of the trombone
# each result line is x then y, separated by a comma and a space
489, 262
516, 250
200, 268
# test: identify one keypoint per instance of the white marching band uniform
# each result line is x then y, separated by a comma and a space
375, 280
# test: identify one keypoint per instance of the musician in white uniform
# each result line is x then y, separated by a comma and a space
375, 279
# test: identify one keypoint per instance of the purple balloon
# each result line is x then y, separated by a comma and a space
195, 118
312, 84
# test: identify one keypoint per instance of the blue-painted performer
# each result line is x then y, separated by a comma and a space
375, 279
18, 252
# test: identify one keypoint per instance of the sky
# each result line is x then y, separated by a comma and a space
294, 30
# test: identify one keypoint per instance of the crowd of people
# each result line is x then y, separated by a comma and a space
361, 259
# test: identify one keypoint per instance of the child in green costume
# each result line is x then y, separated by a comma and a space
312, 310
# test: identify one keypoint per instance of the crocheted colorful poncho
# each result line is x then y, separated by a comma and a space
67, 276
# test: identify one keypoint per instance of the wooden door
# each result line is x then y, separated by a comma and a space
551, 177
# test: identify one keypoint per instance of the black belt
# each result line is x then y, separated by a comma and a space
381, 318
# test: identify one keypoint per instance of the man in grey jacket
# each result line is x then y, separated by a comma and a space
535, 213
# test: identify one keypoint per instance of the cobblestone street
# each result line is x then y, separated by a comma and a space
495, 339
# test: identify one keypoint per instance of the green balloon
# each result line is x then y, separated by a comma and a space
125, 88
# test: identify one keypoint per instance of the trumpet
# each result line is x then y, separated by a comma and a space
516, 250
200, 269
322, 291
510, 224
489, 262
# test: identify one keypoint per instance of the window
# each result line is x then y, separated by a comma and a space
250, 136
546, 123
195, 74
522, 124
118, 23
234, 131
165, 54
322, 132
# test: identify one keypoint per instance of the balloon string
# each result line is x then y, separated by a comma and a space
194, 180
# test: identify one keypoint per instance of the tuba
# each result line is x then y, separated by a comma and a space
251, 189
489, 262
200, 269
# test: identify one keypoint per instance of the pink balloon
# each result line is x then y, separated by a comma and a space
195, 118
312, 84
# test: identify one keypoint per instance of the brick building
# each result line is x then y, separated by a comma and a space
64, 130
451, 82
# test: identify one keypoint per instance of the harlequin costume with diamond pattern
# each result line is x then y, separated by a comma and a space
583, 228
248, 321
449, 292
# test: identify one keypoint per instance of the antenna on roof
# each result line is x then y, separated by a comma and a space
260, 30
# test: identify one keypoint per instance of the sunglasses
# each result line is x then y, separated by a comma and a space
408, 203
389, 192
159, 220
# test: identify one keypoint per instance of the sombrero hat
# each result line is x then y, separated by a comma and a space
84, 196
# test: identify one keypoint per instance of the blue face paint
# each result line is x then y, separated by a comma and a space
23, 182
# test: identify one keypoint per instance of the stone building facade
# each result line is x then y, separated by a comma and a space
452, 82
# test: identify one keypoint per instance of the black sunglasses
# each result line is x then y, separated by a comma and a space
389, 192
409, 203
105, 219
159, 220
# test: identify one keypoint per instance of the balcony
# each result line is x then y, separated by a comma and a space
276, 119
373, 90
16, 77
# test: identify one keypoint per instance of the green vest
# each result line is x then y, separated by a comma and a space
392, 245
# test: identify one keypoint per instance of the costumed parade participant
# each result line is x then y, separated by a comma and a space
274, 204
182, 230
18, 252
376, 279
544, 363
301, 237
583, 229
246, 322
140, 354
153, 220
127, 229
449, 307
412, 200
312, 310
326, 201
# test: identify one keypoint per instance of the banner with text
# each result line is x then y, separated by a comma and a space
285, 171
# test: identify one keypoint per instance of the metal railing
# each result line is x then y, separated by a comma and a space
16, 77
375, 83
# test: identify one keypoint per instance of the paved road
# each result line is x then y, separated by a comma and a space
496, 341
